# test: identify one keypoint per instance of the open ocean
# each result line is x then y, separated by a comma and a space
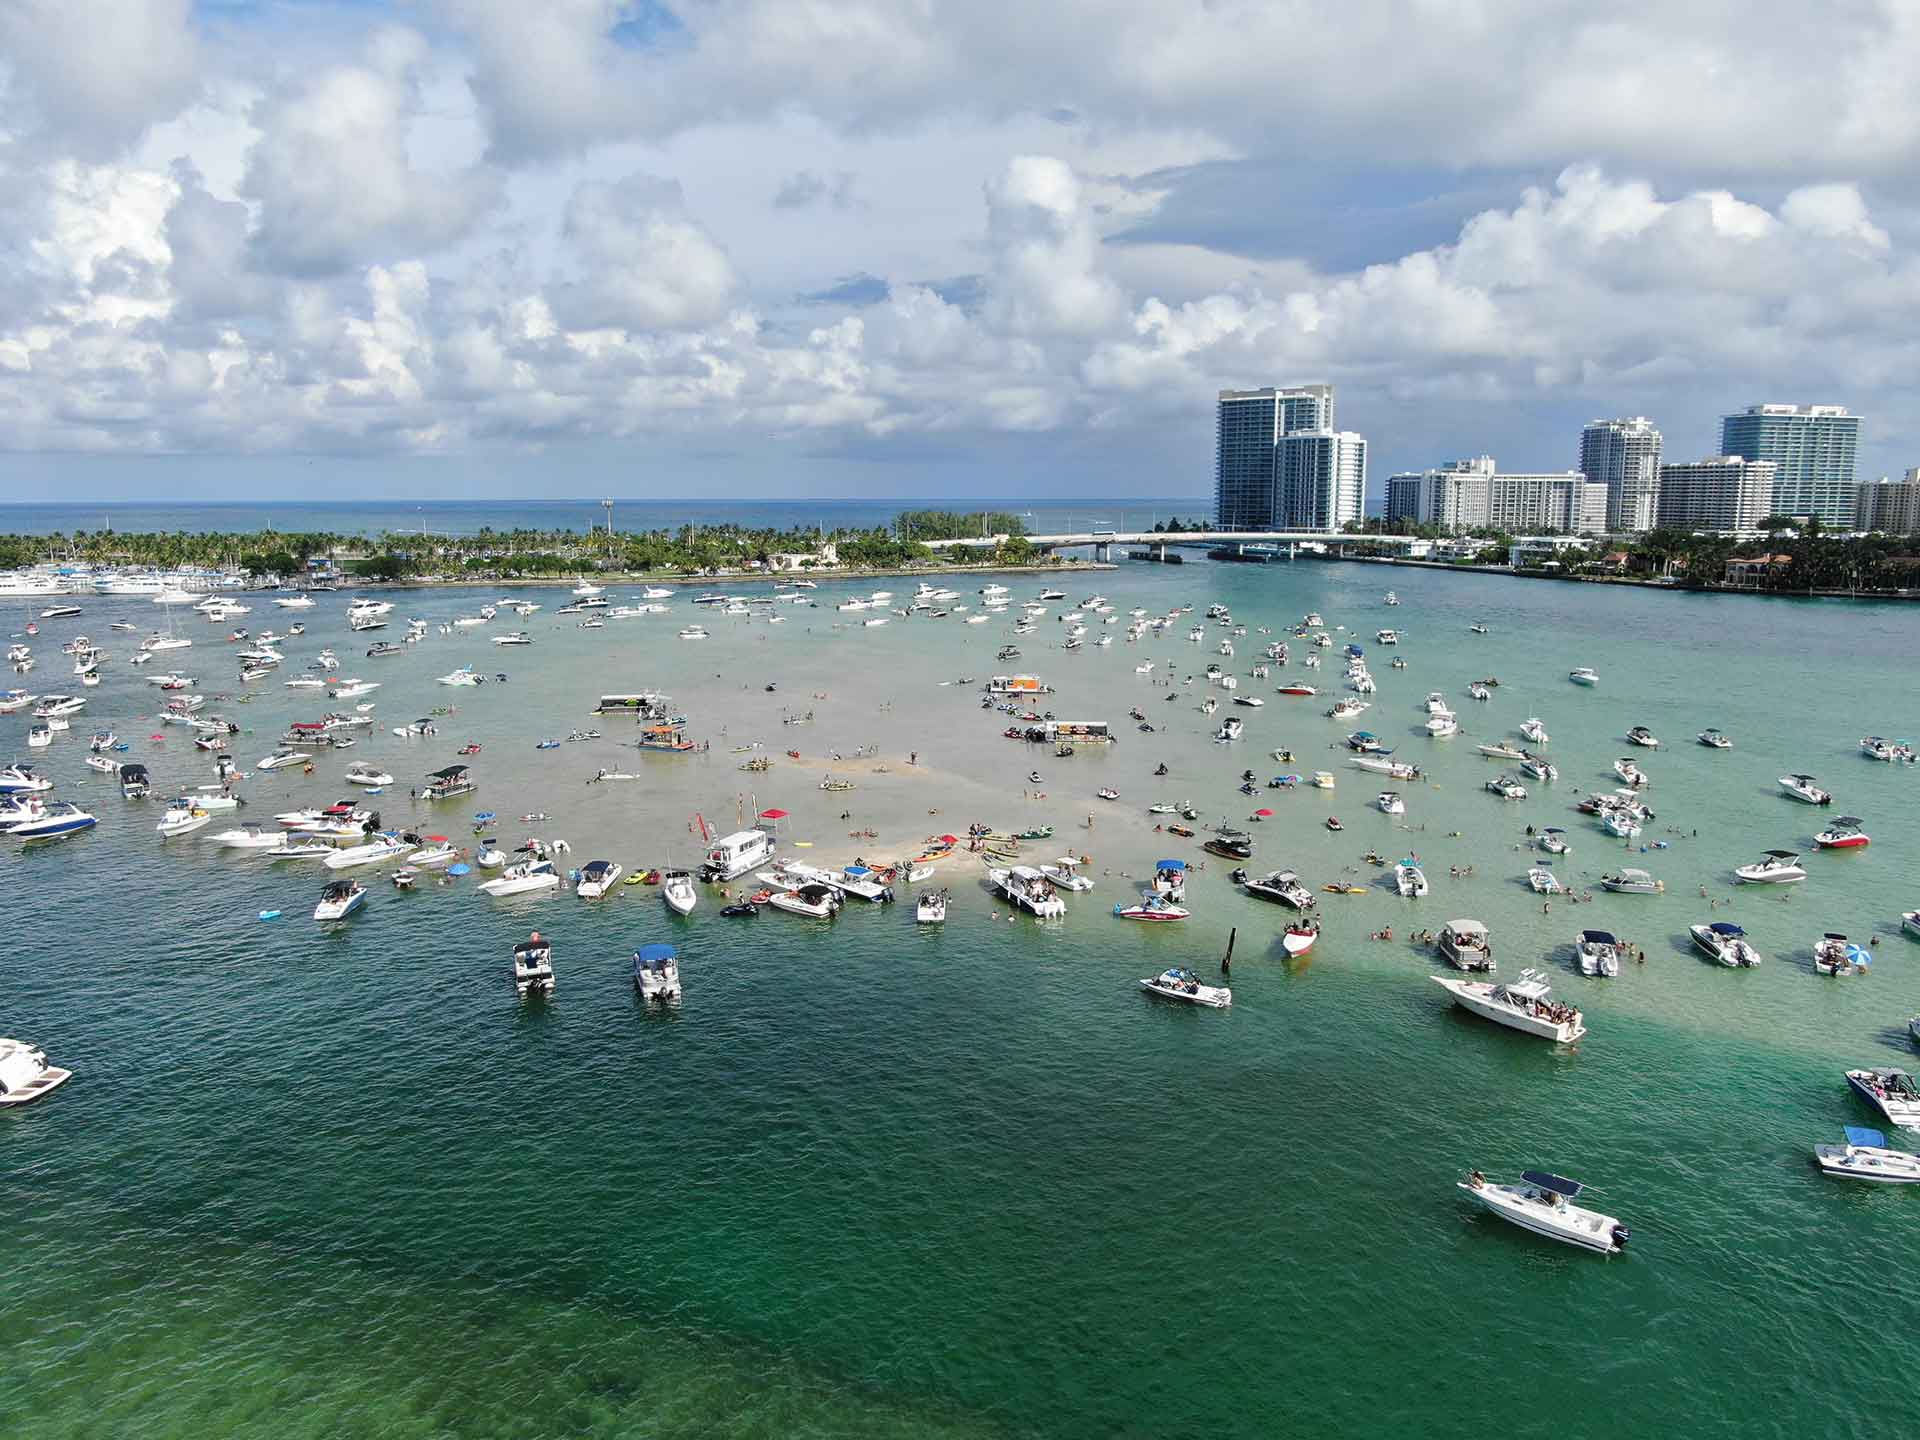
872, 1179
467, 517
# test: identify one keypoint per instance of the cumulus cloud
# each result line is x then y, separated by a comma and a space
331, 174
93, 74
804, 188
645, 263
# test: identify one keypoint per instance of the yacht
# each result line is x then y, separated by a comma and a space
250, 836
1862, 1155
656, 972
1542, 881
1534, 732
1891, 1092
1465, 945
1543, 1204
1387, 637
1725, 942
520, 879
1182, 984
1640, 735
1631, 882
815, 900
1843, 834
1583, 675
597, 877
340, 899
676, 888
1409, 879
1801, 787
25, 1075
930, 908
1714, 739
1524, 1004
1030, 890
1775, 867
362, 772
1282, 887
1598, 953
1506, 787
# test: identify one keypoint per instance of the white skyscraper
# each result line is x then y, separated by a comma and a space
1322, 479
1472, 495
1624, 455
1722, 492
1251, 489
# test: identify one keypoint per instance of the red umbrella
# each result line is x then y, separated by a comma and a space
949, 839
1263, 812
773, 814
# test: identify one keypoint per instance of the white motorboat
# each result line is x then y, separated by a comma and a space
1844, 833
1621, 824
25, 1075
597, 877
1539, 767
352, 689
1506, 787
463, 676
656, 972
281, 759
1543, 1204
1391, 803
1629, 881
676, 888
1442, 727
293, 602
1525, 1004
1583, 675
180, 820
1553, 840
930, 908
1801, 787
298, 847
533, 966
1182, 984
339, 900
1714, 739
522, 879
1542, 881
815, 900
1598, 953
372, 851
105, 764
1640, 735
39, 737
1876, 747
1629, 772
1534, 732
1409, 879
1347, 709
1501, 750
1064, 874
53, 822
1834, 954
1726, 942
250, 836
362, 772
1282, 887
437, 851
1775, 867
1891, 1092
1862, 1155
1030, 890
21, 780
1466, 945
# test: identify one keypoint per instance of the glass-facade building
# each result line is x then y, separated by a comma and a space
1812, 448
1624, 455
1251, 489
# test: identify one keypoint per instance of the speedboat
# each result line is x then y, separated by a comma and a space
1553, 840
1506, 787
1598, 953
1583, 675
1776, 867
1525, 1004
1801, 787
1714, 739
25, 1075
1875, 747
179, 820
1409, 879
1064, 874
815, 900
370, 852
1390, 803
1152, 907
250, 836
1843, 834
1834, 954
1862, 1155
1347, 709
1629, 881
1640, 735
1465, 945
53, 822
1725, 942
1441, 727
1178, 983
363, 773
1891, 1092
656, 972
1534, 732
1543, 1204
281, 759
1282, 887
340, 899
1542, 881
1501, 750
597, 877
930, 908
21, 780
437, 851
533, 966
1629, 772
520, 879
1030, 890
1620, 823
1539, 767
676, 888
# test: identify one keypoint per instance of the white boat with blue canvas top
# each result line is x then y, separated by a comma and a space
1865, 1155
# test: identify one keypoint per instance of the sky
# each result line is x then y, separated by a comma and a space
717, 248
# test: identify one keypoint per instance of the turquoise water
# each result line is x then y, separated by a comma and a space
871, 1179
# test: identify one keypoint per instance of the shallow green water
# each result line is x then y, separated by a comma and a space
877, 1180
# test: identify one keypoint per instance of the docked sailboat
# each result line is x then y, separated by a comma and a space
1525, 1004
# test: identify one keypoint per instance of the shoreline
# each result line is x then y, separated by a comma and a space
641, 577
1630, 580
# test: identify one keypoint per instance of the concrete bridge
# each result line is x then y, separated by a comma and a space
1103, 541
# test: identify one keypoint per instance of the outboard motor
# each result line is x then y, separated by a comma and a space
1621, 1234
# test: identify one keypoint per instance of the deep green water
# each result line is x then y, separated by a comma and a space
875, 1180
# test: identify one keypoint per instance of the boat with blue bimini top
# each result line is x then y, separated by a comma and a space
1865, 1155
656, 972
1182, 984
1542, 1202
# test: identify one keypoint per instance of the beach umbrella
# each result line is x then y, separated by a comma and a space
1263, 813
773, 814
460, 869
1857, 955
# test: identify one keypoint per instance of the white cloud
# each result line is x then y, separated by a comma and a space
645, 264
94, 74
